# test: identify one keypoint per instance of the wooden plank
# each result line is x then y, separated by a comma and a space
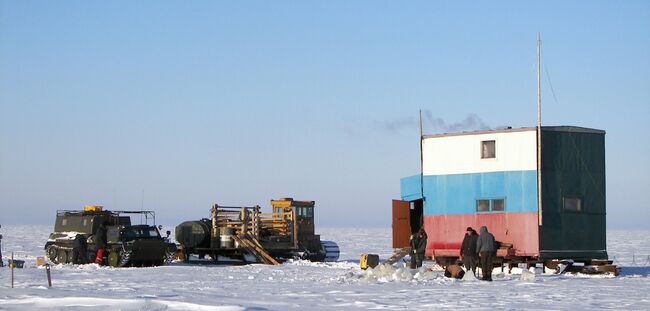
611, 269
399, 254
267, 258
263, 252
600, 262
258, 246
248, 249
255, 249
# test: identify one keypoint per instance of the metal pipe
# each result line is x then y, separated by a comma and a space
214, 221
421, 159
539, 132
13, 264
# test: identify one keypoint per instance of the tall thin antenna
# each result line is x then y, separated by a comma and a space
421, 160
539, 130
142, 205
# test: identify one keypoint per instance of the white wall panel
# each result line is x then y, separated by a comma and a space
461, 154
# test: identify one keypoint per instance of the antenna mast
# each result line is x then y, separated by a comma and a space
539, 132
421, 160
142, 205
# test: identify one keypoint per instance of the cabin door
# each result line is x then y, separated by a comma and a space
401, 223
417, 220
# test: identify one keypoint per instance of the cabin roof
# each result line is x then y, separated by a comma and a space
562, 128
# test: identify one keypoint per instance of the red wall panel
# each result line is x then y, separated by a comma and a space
446, 232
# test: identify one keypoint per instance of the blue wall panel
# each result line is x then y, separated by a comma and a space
457, 194
410, 187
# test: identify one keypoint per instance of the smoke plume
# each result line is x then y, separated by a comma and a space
435, 125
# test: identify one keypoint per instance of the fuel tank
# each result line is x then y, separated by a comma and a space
194, 233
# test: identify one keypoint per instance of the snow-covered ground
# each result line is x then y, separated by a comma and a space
315, 286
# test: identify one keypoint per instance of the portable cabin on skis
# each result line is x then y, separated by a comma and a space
489, 178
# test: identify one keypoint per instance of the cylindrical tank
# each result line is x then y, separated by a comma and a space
195, 233
226, 235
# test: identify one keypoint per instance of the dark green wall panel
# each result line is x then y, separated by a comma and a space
573, 164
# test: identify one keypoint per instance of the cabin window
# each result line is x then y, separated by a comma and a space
498, 205
304, 212
488, 149
482, 205
492, 205
64, 221
572, 204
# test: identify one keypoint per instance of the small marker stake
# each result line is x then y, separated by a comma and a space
49, 278
12, 269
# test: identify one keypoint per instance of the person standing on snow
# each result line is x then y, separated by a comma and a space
485, 248
100, 243
468, 250
79, 250
418, 246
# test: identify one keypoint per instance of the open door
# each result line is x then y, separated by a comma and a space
417, 220
401, 223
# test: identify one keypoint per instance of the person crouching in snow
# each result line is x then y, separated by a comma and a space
468, 250
454, 271
485, 248
418, 246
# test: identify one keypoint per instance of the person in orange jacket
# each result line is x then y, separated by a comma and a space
100, 243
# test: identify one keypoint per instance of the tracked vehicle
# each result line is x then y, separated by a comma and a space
74, 239
286, 232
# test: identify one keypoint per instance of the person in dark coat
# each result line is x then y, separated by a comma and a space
418, 246
468, 250
485, 248
79, 250
100, 243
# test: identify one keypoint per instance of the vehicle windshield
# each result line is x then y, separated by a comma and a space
140, 232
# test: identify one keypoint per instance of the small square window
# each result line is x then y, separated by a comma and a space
572, 204
492, 205
64, 222
488, 150
498, 205
482, 205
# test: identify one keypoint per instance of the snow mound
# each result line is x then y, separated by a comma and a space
387, 273
85, 303
469, 277
527, 276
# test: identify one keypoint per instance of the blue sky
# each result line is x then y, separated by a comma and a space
186, 104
